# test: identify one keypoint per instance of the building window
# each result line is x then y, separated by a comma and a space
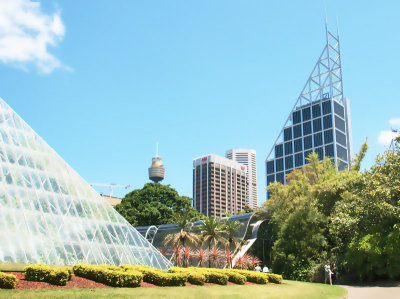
307, 142
328, 136
297, 131
296, 117
341, 152
326, 107
298, 145
280, 177
306, 114
287, 133
340, 138
339, 109
270, 179
307, 128
329, 151
270, 167
288, 148
328, 121
343, 165
339, 123
298, 159
320, 152
316, 110
317, 125
289, 162
278, 150
279, 164
318, 139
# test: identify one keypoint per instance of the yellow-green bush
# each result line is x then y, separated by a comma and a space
158, 277
109, 275
235, 277
192, 275
274, 278
253, 276
55, 275
7, 281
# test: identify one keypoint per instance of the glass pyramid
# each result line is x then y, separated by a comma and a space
49, 214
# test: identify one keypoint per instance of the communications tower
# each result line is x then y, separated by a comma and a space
157, 170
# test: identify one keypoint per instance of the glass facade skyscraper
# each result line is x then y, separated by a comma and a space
49, 214
319, 122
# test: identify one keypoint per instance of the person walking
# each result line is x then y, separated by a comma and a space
328, 272
334, 274
265, 269
258, 268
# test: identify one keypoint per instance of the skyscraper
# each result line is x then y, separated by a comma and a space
219, 185
247, 157
319, 121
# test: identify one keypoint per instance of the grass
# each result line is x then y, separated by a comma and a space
12, 267
290, 289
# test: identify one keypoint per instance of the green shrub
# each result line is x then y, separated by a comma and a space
109, 275
274, 278
173, 279
235, 277
192, 274
253, 276
40, 272
7, 281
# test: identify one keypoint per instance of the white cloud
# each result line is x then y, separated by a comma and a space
386, 137
25, 34
395, 122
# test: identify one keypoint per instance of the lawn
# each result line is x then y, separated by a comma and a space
290, 289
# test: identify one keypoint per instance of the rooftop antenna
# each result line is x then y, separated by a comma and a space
157, 149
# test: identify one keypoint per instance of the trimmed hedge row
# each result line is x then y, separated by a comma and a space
274, 278
158, 277
7, 281
109, 275
40, 272
253, 276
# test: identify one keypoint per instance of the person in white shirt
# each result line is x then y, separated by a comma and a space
265, 269
258, 268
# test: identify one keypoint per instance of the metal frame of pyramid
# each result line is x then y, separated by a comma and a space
49, 214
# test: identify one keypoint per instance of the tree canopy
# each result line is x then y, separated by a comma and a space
155, 204
350, 217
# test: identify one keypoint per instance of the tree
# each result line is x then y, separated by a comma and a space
185, 236
230, 228
212, 232
154, 204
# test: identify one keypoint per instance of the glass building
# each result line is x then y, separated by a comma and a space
49, 214
319, 121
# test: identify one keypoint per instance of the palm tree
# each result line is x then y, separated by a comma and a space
231, 227
185, 236
212, 231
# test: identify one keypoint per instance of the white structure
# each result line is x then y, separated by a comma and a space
219, 185
247, 157
49, 214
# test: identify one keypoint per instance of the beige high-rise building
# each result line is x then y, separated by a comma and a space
247, 157
219, 185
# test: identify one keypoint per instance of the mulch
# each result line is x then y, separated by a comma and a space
79, 282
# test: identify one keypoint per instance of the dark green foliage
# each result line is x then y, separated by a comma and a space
7, 281
155, 204
40, 272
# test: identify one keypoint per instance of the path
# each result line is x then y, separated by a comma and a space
376, 291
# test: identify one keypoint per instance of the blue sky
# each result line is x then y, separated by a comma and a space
102, 81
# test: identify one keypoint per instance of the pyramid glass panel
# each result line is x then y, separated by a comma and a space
49, 214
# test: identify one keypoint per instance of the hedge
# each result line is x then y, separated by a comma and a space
109, 275
7, 281
274, 278
40, 272
253, 276
157, 277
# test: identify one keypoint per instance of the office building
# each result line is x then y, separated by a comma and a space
247, 157
319, 121
50, 215
219, 186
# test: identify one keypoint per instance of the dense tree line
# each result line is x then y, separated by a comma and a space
349, 217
